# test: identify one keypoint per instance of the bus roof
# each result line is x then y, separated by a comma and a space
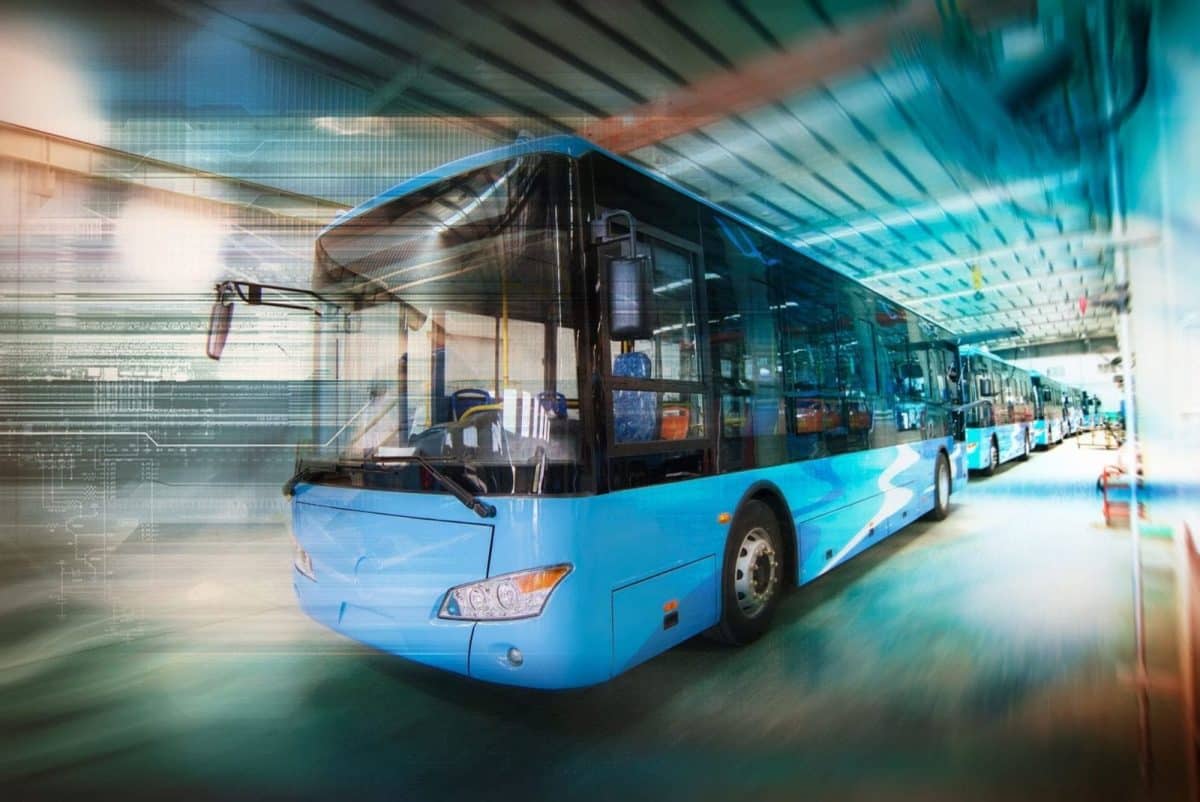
574, 147
564, 144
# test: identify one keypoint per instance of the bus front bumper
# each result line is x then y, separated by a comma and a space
380, 577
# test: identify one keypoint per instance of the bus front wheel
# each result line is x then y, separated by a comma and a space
752, 575
941, 490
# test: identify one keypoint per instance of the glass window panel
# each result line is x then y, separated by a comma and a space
672, 347
641, 416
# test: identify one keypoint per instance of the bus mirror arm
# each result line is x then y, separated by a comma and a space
601, 235
251, 294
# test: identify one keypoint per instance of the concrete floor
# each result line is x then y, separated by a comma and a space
985, 657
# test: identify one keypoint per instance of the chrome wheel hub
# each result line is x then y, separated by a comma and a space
756, 572
943, 480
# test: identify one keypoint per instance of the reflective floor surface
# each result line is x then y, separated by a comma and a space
986, 657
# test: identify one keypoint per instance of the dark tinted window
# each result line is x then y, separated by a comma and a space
739, 264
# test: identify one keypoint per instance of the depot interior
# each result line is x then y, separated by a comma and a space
1021, 173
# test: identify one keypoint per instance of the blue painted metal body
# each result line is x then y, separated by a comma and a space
384, 560
1010, 438
1047, 432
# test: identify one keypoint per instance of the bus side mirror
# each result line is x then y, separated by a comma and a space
218, 327
952, 374
629, 296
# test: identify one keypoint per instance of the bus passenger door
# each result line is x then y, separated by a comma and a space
654, 389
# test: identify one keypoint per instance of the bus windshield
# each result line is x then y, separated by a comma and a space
457, 339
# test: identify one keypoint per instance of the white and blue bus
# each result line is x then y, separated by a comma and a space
572, 415
1049, 411
998, 410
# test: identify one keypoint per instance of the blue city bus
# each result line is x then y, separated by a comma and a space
1049, 420
571, 415
998, 410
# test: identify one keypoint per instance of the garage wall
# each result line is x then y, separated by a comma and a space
1086, 371
1161, 148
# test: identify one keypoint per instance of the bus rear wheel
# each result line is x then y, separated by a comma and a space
1027, 449
752, 575
993, 458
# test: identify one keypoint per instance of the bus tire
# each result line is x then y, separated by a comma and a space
993, 457
752, 575
1028, 447
941, 489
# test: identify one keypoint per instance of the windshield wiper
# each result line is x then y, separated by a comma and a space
480, 508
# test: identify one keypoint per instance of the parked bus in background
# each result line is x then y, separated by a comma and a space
998, 410
1073, 399
1049, 426
574, 415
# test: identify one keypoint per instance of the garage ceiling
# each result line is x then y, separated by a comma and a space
889, 158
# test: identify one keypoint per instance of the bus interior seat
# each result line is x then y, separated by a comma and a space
635, 412
554, 403
462, 400
676, 420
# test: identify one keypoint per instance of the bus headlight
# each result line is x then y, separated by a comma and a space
522, 594
302, 561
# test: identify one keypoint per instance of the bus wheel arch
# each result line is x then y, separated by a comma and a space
943, 486
993, 456
769, 494
759, 557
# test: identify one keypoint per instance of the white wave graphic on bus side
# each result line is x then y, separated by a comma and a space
894, 499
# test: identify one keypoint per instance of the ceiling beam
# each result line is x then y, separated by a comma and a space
1071, 323
1081, 239
94, 161
1028, 312
938, 209
1094, 345
804, 65
1003, 285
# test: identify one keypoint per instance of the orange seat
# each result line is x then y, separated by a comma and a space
676, 418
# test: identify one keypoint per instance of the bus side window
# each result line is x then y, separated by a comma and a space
742, 328
806, 323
